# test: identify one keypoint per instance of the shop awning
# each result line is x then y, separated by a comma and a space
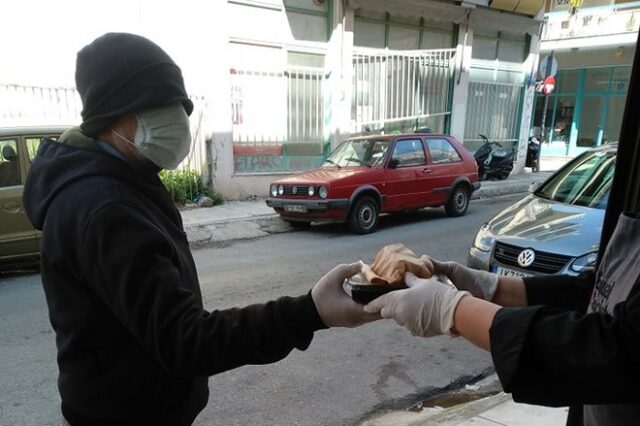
526, 7
448, 12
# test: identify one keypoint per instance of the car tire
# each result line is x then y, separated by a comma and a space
363, 218
535, 166
458, 201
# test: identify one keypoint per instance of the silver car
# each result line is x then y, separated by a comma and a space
554, 230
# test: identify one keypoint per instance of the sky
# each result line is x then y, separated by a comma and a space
40, 38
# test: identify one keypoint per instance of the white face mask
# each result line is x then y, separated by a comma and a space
163, 135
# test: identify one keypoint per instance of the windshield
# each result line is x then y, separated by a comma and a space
585, 182
354, 153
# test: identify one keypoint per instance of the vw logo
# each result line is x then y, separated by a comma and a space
526, 258
294, 190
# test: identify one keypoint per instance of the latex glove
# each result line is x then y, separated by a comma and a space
426, 308
480, 284
334, 305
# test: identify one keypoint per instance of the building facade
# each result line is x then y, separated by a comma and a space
303, 75
280, 83
594, 46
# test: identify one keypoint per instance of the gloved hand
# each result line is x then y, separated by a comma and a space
480, 284
426, 308
334, 305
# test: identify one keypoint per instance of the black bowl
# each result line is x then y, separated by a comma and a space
364, 293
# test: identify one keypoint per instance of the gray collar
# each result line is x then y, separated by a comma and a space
111, 150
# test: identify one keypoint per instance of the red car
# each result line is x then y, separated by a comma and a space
370, 175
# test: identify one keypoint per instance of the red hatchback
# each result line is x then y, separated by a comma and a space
370, 175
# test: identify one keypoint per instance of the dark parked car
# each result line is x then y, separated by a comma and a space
18, 146
554, 230
370, 175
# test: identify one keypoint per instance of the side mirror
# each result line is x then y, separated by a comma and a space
393, 163
533, 187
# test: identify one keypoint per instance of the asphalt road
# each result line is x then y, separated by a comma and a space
345, 375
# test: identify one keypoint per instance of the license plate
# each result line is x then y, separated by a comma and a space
510, 272
296, 208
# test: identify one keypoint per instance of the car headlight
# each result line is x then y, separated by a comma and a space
312, 191
274, 190
323, 192
484, 240
280, 190
584, 262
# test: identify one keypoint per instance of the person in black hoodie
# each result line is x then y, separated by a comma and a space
135, 345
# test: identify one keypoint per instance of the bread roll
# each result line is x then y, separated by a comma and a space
392, 262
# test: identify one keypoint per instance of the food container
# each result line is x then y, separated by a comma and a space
363, 292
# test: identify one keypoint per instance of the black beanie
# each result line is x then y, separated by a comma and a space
119, 73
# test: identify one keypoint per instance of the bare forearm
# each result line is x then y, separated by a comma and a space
511, 292
472, 320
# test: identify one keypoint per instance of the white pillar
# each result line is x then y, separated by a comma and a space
218, 96
339, 66
461, 81
531, 67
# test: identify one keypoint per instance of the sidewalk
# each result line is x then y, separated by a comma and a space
486, 405
495, 410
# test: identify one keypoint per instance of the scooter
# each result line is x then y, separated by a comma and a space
533, 154
493, 162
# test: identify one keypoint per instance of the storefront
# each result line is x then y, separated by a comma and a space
594, 46
585, 110
496, 87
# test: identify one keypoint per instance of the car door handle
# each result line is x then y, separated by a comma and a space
426, 171
12, 207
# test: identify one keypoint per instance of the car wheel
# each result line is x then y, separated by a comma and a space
298, 225
363, 218
458, 201
535, 166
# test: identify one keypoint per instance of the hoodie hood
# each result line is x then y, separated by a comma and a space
75, 156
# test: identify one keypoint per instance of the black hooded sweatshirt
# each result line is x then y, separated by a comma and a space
135, 345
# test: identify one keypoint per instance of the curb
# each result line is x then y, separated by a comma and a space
482, 194
522, 184
222, 231
213, 222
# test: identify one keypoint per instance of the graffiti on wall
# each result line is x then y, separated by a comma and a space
275, 163
258, 163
